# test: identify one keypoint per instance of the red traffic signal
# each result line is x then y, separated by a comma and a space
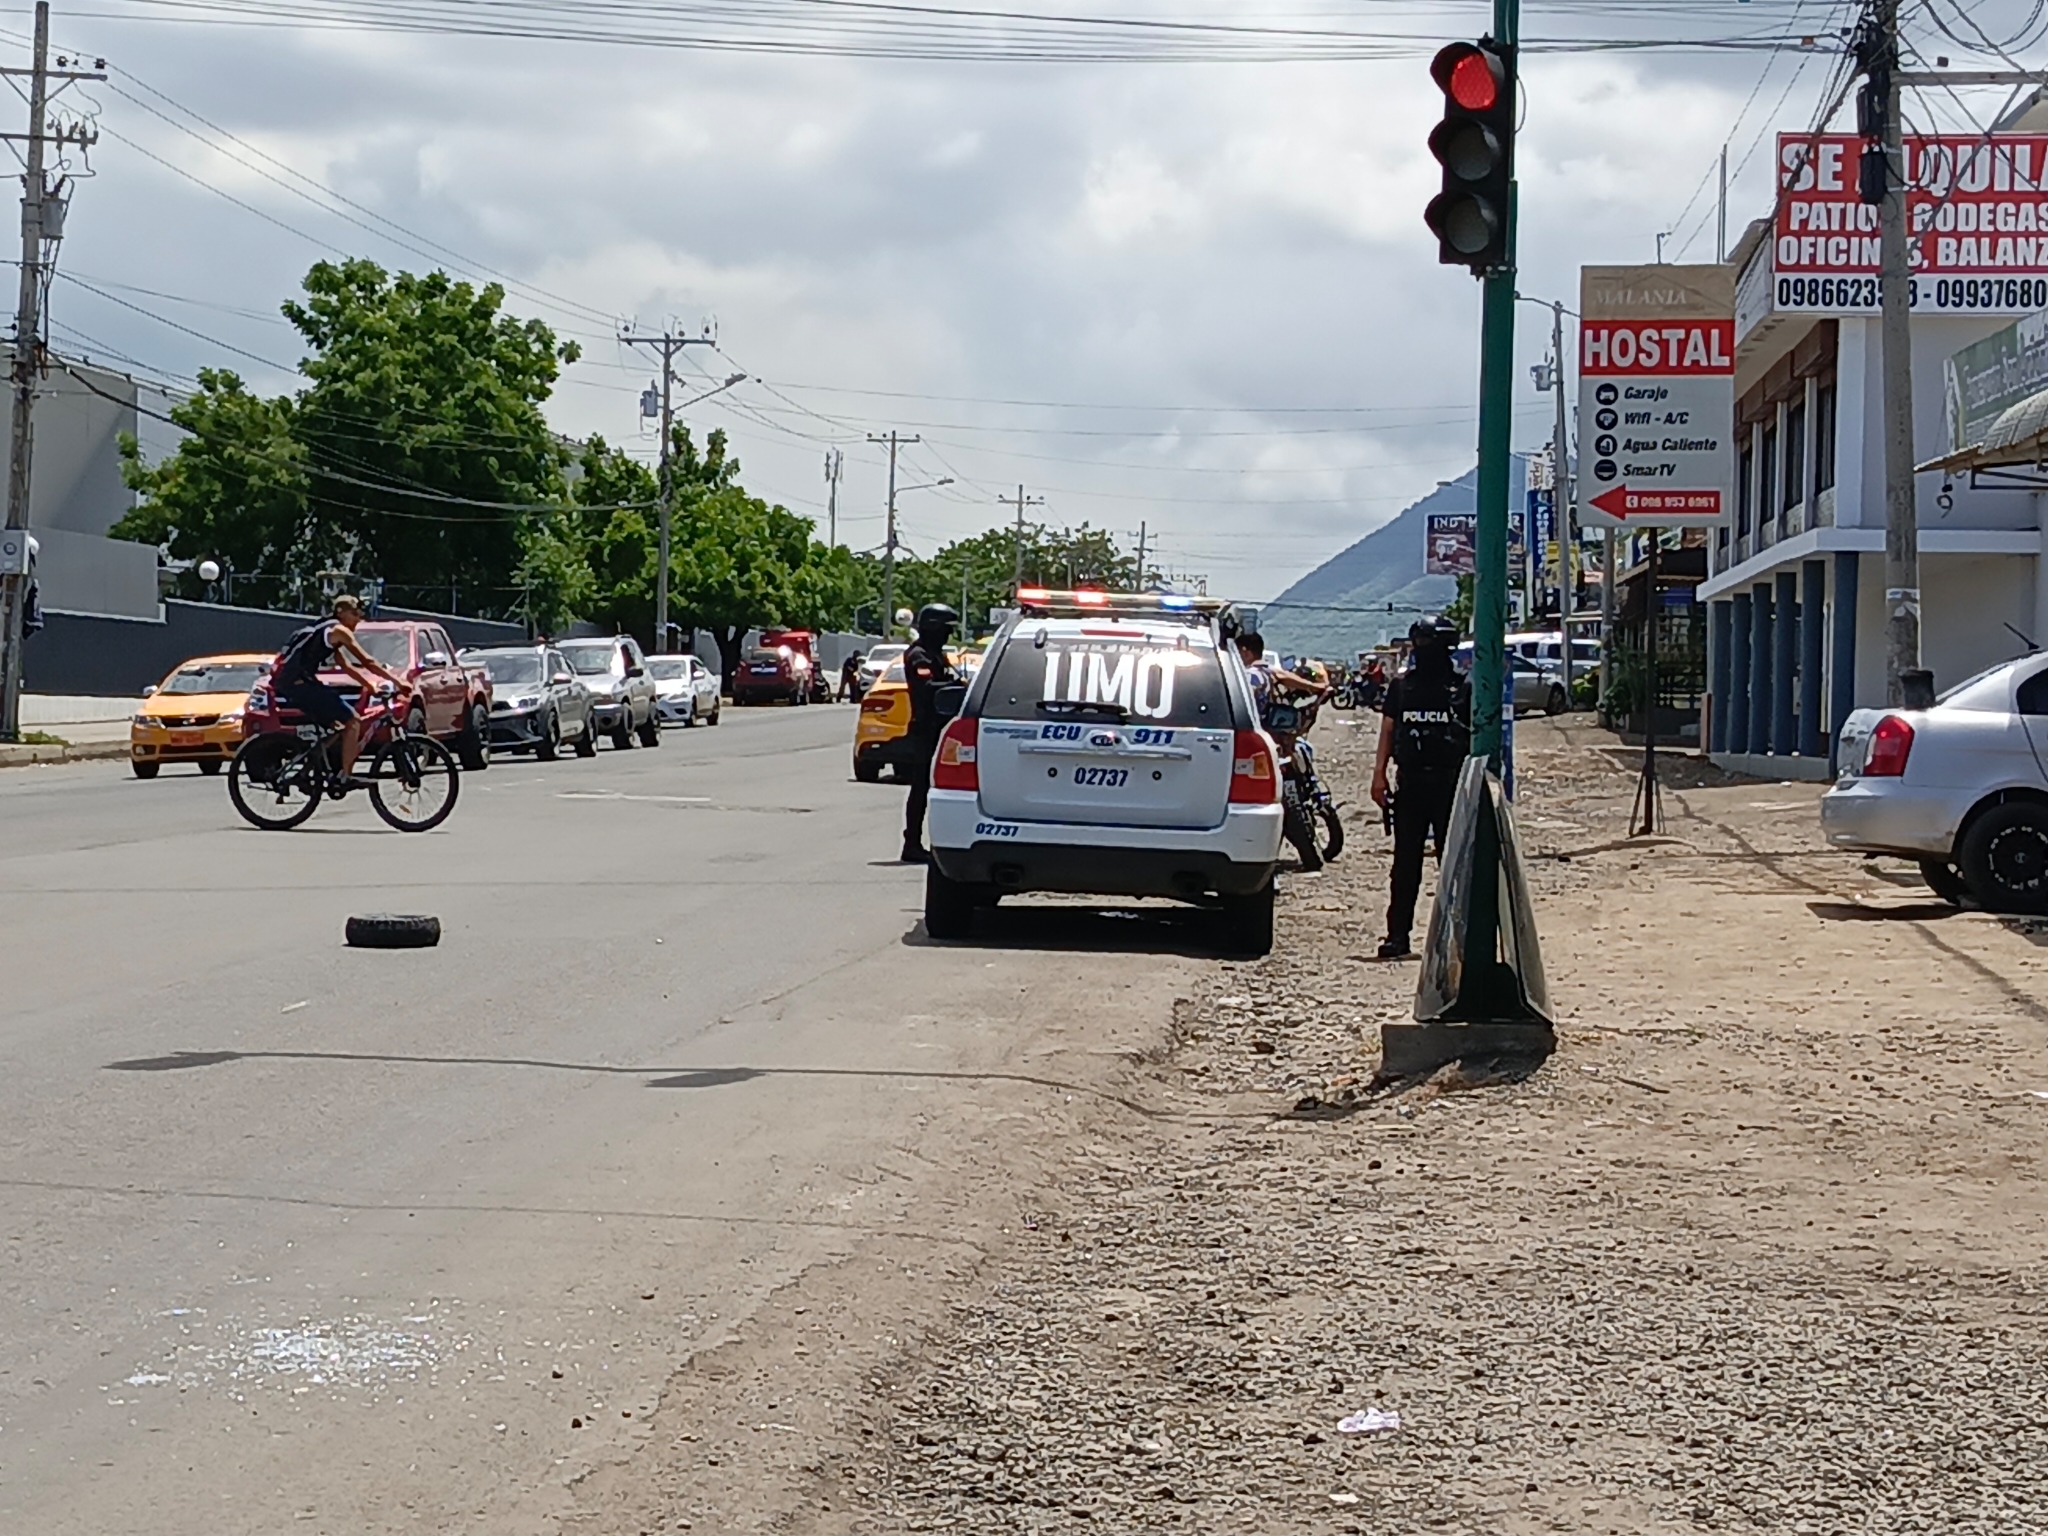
1469, 75
1472, 216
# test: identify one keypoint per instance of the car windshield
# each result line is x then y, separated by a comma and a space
764, 655
1138, 675
393, 647
511, 666
669, 669
590, 660
882, 655
216, 677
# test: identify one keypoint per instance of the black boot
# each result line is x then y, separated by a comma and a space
1392, 948
913, 854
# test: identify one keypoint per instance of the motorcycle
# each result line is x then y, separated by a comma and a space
1305, 804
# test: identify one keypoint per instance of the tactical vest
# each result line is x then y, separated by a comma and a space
1434, 730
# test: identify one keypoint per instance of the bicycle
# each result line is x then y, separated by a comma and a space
278, 778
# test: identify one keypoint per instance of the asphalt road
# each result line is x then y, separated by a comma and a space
299, 1237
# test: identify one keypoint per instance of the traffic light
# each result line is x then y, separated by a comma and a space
1475, 144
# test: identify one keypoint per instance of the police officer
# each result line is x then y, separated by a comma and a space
1426, 732
925, 670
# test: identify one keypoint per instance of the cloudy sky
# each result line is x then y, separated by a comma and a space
1196, 294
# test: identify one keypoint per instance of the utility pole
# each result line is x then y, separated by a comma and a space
835, 466
1721, 212
668, 344
42, 222
1020, 501
1881, 179
895, 440
1141, 554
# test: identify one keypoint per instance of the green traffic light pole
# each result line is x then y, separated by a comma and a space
1496, 411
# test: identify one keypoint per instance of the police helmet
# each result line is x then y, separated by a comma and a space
936, 616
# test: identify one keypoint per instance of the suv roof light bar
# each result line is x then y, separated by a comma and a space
1049, 601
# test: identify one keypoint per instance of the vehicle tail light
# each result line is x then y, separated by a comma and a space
954, 767
876, 706
1253, 778
1890, 745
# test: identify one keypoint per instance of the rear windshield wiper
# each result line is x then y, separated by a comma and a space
1092, 711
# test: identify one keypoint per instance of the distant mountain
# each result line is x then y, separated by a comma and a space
1340, 608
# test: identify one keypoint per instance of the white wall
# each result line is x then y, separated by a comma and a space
1965, 603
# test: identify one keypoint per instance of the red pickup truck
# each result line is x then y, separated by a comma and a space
449, 701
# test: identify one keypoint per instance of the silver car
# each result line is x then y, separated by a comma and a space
1960, 788
537, 704
614, 669
1539, 686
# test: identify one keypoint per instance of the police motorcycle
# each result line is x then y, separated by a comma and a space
1309, 814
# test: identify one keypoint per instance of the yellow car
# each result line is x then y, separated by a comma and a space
195, 714
881, 731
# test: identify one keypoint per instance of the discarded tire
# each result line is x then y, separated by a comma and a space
392, 930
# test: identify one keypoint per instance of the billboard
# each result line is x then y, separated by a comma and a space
1987, 378
1450, 543
1656, 395
1976, 221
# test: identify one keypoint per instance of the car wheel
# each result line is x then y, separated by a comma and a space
416, 721
549, 746
1246, 924
145, 770
948, 906
210, 764
712, 718
473, 744
586, 739
869, 772
2005, 857
650, 731
1945, 880
622, 733
392, 930
1555, 704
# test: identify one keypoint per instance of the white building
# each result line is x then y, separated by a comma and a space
1795, 586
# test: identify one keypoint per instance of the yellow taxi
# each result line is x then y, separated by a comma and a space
195, 714
881, 731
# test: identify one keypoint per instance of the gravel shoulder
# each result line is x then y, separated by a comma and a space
1758, 1249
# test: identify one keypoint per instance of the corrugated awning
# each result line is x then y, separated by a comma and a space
2017, 439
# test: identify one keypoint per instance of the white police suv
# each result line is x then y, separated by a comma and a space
1108, 746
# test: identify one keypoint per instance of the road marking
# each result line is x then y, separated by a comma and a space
594, 794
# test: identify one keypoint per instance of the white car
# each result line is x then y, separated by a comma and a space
1960, 787
685, 690
876, 661
1113, 753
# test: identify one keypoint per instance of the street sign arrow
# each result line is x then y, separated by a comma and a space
1625, 502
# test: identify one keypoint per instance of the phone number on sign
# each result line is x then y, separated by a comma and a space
1955, 295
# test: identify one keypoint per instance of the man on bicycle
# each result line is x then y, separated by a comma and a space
296, 675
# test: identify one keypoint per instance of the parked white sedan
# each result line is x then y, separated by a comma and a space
685, 690
1961, 787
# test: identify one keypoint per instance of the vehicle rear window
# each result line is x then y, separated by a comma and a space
1175, 680
590, 660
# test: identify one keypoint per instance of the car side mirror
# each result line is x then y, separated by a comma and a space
149, 692
560, 678
948, 699
434, 659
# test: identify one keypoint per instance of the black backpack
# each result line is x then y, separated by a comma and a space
304, 654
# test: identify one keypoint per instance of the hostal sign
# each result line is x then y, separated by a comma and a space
1656, 395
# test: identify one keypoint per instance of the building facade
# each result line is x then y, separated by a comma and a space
1795, 587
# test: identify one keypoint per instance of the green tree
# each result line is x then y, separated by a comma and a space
236, 491
416, 452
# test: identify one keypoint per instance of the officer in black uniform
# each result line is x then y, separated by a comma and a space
1426, 732
925, 670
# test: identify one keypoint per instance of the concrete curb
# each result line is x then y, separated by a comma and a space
15, 756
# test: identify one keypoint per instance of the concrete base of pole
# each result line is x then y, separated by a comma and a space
1414, 1049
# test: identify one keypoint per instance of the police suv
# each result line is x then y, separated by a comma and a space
1108, 746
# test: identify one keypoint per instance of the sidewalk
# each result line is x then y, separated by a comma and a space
1758, 1249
